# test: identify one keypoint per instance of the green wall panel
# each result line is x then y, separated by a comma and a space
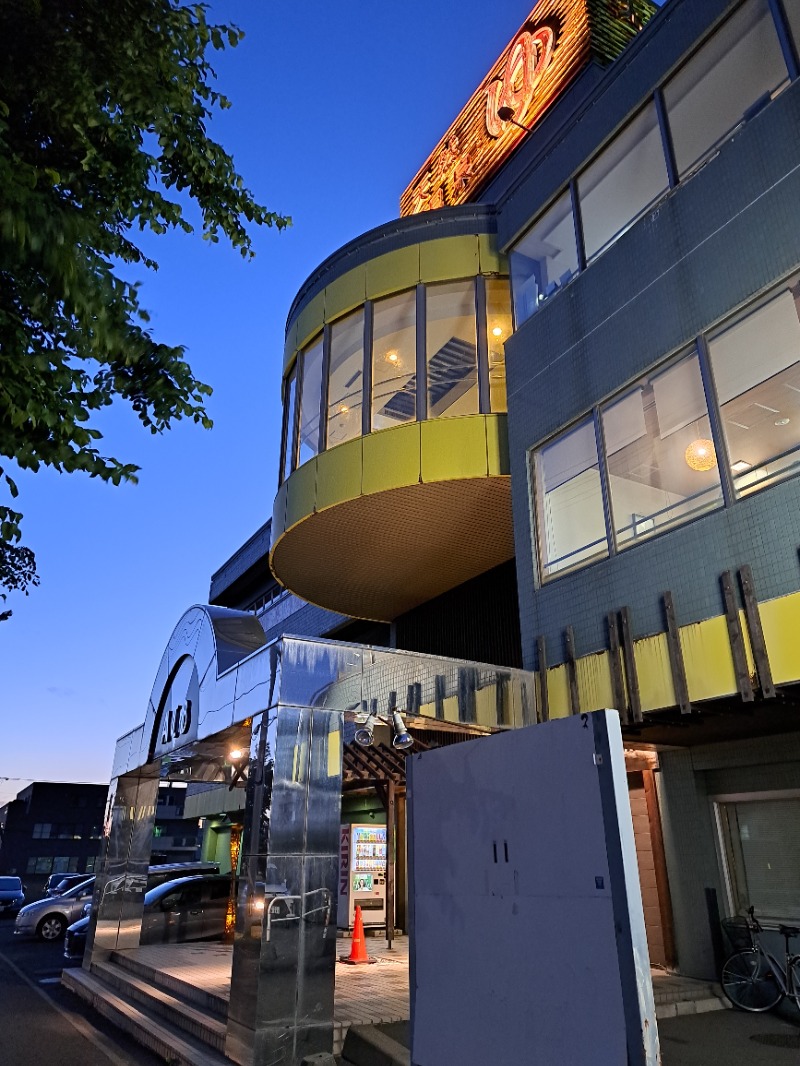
311, 319
339, 474
301, 493
346, 293
393, 272
391, 458
449, 257
454, 448
279, 512
491, 261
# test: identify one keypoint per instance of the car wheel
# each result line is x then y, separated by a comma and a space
51, 927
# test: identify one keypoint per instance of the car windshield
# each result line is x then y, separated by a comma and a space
10, 884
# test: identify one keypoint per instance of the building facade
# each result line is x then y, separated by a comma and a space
550, 418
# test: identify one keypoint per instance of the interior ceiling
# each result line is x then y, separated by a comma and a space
380, 555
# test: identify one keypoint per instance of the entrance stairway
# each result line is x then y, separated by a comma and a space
182, 1024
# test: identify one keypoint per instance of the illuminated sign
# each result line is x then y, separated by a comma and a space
552, 47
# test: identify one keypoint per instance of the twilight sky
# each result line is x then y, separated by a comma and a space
335, 107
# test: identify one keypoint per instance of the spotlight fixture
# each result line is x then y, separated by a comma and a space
700, 455
235, 755
238, 758
402, 738
497, 332
365, 734
506, 114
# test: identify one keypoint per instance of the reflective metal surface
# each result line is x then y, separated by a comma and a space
122, 870
282, 983
220, 687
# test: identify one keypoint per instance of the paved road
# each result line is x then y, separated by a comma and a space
42, 1024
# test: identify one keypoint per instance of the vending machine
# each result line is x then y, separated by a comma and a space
362, 875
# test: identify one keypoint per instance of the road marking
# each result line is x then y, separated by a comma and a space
49, 980
99, 1040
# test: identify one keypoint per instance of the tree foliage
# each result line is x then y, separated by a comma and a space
103, 115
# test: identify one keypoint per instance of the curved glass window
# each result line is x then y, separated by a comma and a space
394, 360
498, 329
346, 379
451, 349
310, 399
288, 423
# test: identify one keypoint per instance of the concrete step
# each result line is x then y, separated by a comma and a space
163, 1039
366, 1045
158, 1001
189, 993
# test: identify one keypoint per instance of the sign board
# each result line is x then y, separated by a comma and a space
177, 717
544, 57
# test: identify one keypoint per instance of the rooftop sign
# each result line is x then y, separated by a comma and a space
550, 49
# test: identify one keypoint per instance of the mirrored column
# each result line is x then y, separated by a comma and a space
121, 880
282, 982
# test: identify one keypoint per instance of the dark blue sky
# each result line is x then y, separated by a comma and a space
335, 108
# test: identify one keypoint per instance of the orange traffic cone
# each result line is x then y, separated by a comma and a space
358, 951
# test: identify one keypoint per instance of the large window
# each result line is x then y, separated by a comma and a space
498, 330
394, 347
628, 176
569, 501
761, 851
451, 349
756, 366
662, 465
290, 391
740, 66
792, 9
346, 380
544, 259
310, 399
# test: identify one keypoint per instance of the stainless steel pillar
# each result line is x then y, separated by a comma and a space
122, 869
282, 983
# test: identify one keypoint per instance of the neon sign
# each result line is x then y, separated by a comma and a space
554, 44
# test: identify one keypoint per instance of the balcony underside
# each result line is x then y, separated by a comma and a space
379, 555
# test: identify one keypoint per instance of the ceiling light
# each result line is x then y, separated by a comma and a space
700, 455
740, 466
497, 332
343, 410
235, 754
782, 422
392, 357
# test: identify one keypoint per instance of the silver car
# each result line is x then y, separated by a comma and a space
48, 918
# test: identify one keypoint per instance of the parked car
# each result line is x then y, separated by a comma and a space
12, 895
48, 918
188, 908
58, 884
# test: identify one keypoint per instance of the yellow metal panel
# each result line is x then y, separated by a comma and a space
656, 689
708, 660
486, 706
279, 512
290, 348
391, 458
301, 492
450, 708
594, 681
558, 692
346, 293
454, 448
334, 751
449, 257
780, 620
491, 260
393, 272
339, 474
497, 445
311, 319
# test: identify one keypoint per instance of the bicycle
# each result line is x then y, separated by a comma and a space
753, 979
